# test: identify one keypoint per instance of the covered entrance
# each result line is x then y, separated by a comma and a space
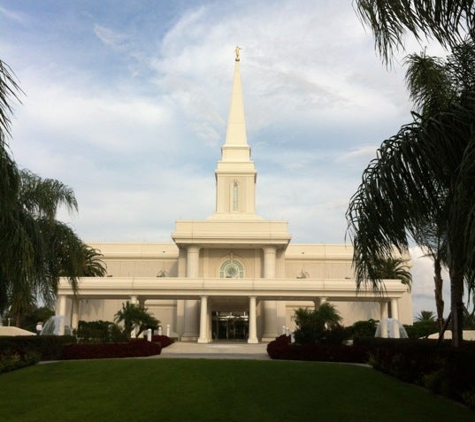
230, 325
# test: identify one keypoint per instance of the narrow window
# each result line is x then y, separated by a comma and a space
235, 196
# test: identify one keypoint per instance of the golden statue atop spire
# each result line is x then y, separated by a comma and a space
237, 50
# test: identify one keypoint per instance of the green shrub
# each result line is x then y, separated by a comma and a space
364, 328
99, 332
469, 398
12, 360
421, 329
320, 325
46, 347
282, 348
441, 369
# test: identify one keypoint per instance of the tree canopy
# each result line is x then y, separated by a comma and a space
423, 177
36, 248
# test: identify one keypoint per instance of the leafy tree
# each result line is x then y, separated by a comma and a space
30, 319
134, 317
320, 325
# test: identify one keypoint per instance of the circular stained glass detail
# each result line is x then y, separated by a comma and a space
231, 269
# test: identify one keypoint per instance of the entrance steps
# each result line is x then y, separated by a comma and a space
216, 350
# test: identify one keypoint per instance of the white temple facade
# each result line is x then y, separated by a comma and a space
233, 276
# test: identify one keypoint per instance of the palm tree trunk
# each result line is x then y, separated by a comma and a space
439, 301
456, 297
18, 320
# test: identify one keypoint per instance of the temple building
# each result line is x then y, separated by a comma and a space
234, 275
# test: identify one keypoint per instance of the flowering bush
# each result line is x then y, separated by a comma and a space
134, 348
282, 348
163, 340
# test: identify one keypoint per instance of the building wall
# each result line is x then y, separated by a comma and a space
298, 261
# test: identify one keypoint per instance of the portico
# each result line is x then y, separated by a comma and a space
252, 291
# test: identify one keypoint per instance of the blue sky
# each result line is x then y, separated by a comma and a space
127, 103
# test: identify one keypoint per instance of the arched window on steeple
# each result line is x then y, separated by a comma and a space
235, 195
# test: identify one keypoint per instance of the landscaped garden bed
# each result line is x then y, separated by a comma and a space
283, 348
133, 348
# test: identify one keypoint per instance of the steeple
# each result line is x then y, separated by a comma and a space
236, 132
235, 174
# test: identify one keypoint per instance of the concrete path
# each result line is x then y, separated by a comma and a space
216, 350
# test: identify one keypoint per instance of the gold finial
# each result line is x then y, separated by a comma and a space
236, 50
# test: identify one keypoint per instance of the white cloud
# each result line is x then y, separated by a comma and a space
14, 15
130, 109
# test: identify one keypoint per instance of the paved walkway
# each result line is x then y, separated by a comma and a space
216, 350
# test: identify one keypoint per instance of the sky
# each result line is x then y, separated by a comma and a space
127, 103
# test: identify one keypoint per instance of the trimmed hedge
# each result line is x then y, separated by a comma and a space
441, 369
134, 348
46, 347
282, 348
99, 332
22, 351
11, 360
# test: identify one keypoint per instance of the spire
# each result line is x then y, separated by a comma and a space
235, 174
236, 132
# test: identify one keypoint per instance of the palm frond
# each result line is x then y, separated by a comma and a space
449, 22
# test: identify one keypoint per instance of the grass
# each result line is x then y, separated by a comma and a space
195, 390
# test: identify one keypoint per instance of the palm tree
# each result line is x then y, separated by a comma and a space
421, 177
9, 177
93, 266
394, 269
316, 325
448, 21
135, 317
35, 248
426, 316
432, 92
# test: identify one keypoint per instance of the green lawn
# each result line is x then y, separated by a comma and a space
192, 390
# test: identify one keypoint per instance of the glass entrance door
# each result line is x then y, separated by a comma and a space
233, 325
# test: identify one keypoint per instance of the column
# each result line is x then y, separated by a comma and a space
204, 320
252, 321
192, 261
191, 316
319, 301
61, 310
191, 319
394, 309
269, 262
270, 306
134, 301
61, 305
75, 315
383, 310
